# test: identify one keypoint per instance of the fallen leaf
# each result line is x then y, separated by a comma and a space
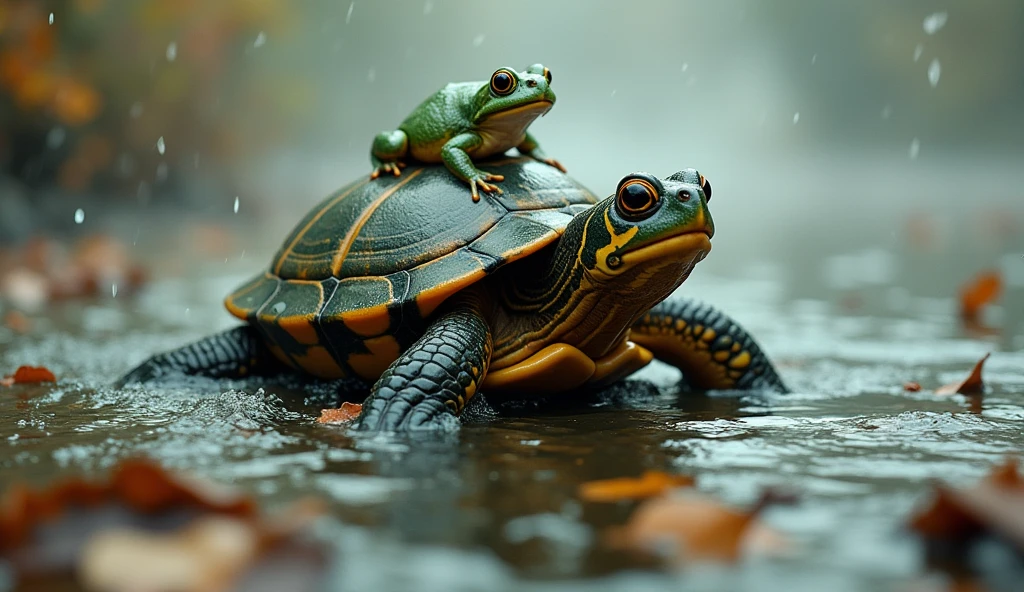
980, 291
694, 527
995, 506
17, 322
650, 484
146, 529
972, 385
344, 414
911, 387
32, 374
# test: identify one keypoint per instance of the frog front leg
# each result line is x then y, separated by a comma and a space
530, 147
455, 154
387, 151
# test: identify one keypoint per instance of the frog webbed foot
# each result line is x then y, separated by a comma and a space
479, 182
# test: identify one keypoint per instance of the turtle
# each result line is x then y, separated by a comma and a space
404, 285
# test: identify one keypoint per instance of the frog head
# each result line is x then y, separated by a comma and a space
527, 92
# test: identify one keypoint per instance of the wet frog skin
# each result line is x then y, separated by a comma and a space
468, 121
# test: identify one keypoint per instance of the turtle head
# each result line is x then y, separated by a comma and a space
648, 235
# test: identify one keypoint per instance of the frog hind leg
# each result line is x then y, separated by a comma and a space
531, 147
235, 353
387, 151
712, 350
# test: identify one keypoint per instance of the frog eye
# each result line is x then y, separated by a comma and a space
503, 82
636, 198
705, 186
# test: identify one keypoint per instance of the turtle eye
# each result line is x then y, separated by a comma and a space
547, 75
636, 198
705, 186
503, 82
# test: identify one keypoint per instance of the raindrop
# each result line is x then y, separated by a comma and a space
371, 75
79, 216
614, 90
236, 204
113, 290
915, 149
51, 18
814, 59
160, 145
136, 111
685, 68
428, 7
261, 39
935, 21
796, 117
348, 16
886, 111
172, 51
918, 51
55, 139
478, 40
934, 71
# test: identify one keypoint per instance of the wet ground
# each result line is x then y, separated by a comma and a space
495, 507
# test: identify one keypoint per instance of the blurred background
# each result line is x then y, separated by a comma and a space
850, 145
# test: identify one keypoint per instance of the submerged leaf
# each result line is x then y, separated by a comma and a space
344, 414
979, 292
650, 484
972, 385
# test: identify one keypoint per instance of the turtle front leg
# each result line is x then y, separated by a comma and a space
235, 353
455, 154
429, 384
710, 348
387, 152
530, 147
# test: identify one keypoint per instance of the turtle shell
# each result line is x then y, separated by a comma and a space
352, 284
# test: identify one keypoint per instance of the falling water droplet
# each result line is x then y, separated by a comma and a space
478, 40
261, 39
886, 111
172, 51
136, 111
428, 7
113, 290
934, 71
236, 204
51, 18
915, 148
348, 16
796, 117
685, 68
55, 139
935, 21
160, 145
79, 216
918, 51
814, 59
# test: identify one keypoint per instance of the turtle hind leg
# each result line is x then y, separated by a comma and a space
429, 384
235, 353
712, 350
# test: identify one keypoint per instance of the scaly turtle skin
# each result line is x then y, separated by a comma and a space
431, 297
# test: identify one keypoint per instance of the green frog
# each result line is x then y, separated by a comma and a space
467, 120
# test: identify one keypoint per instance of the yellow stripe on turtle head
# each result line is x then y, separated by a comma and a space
615, 242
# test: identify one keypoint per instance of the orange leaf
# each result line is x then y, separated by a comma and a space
650, 484
32, 374
972, 385
344, 414
696, 527
981, 290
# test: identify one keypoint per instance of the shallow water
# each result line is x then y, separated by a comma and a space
495, 507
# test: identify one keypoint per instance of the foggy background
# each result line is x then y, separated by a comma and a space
850, 144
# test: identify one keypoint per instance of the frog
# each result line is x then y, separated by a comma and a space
466, 121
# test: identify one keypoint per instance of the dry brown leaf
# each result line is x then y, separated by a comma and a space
344, 414
32, 374
995, 505
972, 385
650, 484
695, 528
980, 291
